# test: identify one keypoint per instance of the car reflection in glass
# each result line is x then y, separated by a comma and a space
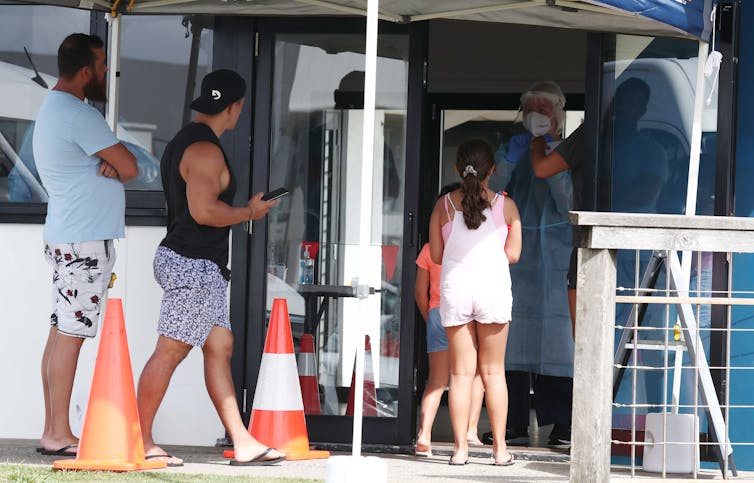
19, 189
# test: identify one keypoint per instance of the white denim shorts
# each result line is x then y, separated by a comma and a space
80, 280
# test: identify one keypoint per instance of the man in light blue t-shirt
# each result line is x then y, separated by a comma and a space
83, 167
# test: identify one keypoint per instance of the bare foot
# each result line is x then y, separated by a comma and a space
473, 440
155, 453
423, 448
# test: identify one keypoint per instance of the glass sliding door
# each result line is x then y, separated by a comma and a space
315, 250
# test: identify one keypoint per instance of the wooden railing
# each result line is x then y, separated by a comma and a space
599, 236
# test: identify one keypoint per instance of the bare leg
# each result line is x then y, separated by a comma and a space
492, 342
59, 363
477, 398
45, 384
217, 376
463, 357
153, 384
439, 371
572, 308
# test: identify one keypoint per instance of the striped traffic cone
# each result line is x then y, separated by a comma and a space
370, 395
307, 375
277, 414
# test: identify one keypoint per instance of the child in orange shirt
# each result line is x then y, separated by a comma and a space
427, 295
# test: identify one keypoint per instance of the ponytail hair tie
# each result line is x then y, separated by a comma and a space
469, 170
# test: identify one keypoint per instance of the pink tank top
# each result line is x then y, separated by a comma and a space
479, 252
498, 216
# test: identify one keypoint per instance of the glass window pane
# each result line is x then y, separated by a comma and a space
314, 237
39, 30
496, 127
151, 111
649, 86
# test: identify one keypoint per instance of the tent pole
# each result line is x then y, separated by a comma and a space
695, 153
365, 224
113, 69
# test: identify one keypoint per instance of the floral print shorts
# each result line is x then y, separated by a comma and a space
80, 279
194, 298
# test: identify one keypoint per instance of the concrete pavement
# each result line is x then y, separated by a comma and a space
532, 465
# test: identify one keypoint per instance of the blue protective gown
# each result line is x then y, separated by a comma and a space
540, 339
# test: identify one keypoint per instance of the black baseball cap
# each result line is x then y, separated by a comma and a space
220, 89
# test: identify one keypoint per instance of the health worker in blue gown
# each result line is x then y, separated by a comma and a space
540, 347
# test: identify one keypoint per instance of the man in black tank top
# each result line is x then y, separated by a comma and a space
191, 266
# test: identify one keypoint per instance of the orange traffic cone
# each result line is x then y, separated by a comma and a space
307, 375
370, 395
111, 436
277, 414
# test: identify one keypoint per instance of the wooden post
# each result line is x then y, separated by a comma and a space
592, 379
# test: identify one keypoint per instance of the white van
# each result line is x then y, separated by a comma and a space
21, 95
668, 122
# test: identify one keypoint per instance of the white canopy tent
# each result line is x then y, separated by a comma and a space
572, 14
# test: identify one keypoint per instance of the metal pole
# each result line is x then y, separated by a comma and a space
367, 161
367, 157
694, 153
113, 70
196, 27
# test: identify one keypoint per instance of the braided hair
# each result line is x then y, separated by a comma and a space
474, 161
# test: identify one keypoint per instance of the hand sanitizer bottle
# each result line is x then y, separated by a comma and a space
306, 264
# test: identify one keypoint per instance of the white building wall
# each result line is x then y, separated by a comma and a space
186, 415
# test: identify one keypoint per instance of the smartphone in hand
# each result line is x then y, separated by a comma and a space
274, 194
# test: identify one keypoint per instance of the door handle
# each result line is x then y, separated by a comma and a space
411, 234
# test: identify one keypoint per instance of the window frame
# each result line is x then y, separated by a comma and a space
143, 208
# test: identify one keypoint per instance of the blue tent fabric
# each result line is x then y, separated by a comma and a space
690, 16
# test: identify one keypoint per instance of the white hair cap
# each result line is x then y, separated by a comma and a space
552, 92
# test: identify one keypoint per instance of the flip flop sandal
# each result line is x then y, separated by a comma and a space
164, 455
61, 452
258, 461
507, 462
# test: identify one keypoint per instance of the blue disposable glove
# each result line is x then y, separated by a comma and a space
501, 154
517, 146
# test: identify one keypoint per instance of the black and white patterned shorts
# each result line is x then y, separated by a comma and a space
80, 278
194, 298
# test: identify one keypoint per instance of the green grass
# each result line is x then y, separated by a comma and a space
34, 474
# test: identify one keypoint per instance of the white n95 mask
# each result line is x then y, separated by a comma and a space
537, 124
